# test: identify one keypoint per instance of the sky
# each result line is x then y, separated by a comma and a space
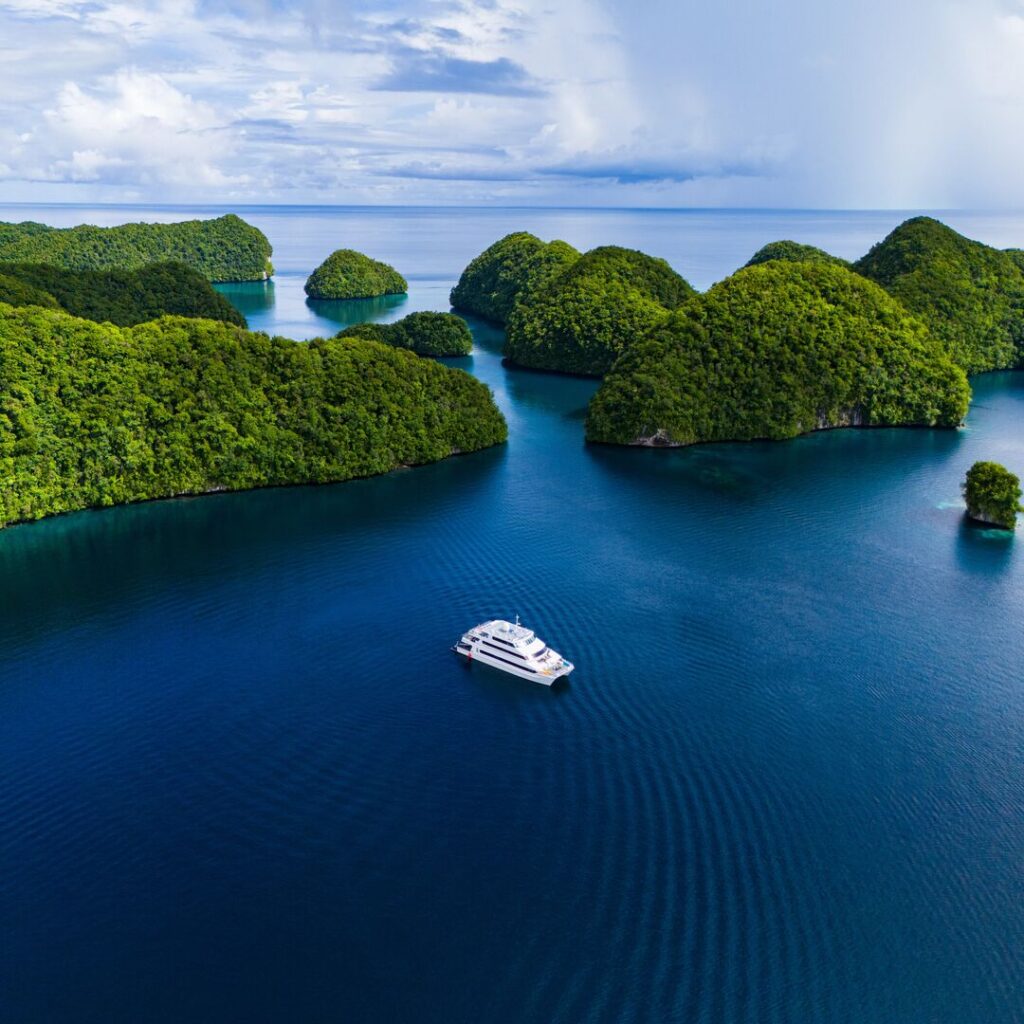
878, 104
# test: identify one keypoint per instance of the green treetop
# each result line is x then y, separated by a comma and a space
992, 494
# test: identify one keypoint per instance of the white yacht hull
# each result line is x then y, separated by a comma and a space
513, 649
543, 678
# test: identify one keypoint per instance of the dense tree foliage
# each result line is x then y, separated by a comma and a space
992, 494
223, 249
794, 251
1017, 255
774, 351
426, 334
126, 297
517, 265
589, 313
94, 415
972, 296
347, 274
16, 292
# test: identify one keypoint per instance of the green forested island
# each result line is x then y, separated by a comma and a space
593, 309
222, 249
122, 297
94, 415
774, 351
993, 494
517, 265
426, 334
793, 251
16, 292
969, 294
347, 274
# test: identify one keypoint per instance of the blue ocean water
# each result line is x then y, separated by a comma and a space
243, 779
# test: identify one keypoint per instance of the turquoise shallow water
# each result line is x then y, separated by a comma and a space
244, 779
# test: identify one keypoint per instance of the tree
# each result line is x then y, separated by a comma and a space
992, 494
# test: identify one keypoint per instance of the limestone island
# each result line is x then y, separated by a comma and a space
993, 495
122, 297
969, 294
517, 265
426, 334
347, 274
222, 249
777, 350
94, 415
591, 311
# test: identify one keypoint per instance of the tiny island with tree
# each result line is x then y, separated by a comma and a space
993, 495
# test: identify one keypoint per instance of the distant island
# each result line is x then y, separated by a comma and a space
222, 249
94, 415
426, 334
795, 252
122, 297
347, 274
992, 494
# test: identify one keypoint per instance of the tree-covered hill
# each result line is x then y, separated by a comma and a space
16, 292
94, 415
517, 265
426, 334
592, 311
125, 297
971, 295
793, 251
775, 351
347, 274
222, 249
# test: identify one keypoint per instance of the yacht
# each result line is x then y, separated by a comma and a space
513, 648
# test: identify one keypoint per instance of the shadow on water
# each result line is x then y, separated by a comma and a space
249, 297
715, 469
502, 688
983, 549
824, 461
486, 335
348, 312
551, 393
191, 541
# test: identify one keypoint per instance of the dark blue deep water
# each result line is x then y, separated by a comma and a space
243, 780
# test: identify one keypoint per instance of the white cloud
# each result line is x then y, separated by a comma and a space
889, 102
136, 127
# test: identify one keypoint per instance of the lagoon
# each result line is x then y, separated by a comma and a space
244, 779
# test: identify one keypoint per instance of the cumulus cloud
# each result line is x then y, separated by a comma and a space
909, 103
134, 127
